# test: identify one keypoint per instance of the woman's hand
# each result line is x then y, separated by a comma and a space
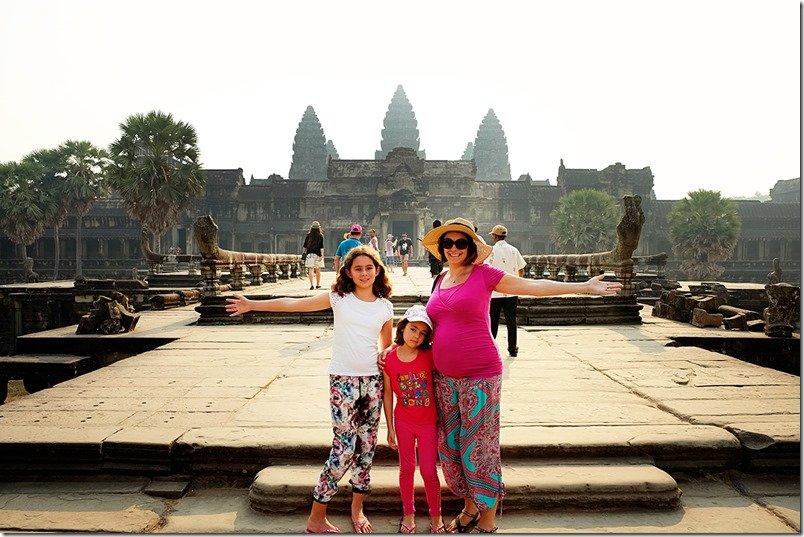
237, 305
597, 286
381, 358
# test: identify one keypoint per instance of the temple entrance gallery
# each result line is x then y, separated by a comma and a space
405, 193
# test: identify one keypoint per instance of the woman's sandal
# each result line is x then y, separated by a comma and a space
438, 529
465, 528
478, 529
404, 528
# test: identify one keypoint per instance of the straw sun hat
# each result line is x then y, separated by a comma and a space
430, 241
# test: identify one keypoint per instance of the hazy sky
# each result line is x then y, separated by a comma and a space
706, 93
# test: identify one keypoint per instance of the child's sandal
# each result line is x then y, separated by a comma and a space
438, 529
404, 528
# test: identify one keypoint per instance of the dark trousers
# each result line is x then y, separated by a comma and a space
506, 305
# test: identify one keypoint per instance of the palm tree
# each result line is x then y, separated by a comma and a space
584, 222
25, 204
76, 172
48, 162
156, 169
704, 229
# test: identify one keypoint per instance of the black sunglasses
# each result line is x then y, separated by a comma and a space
460, 244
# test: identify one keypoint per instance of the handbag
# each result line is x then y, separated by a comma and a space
304, 256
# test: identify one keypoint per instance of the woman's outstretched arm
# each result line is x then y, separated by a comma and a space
514, 285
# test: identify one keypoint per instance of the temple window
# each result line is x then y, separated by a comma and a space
774, 248
752, 250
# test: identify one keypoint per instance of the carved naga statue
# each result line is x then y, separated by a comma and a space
618, 259
206, 234
213, 256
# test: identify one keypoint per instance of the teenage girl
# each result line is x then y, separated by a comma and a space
363, 315
408, 375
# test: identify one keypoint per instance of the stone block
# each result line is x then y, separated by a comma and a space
756, 325
736, 322
701, 318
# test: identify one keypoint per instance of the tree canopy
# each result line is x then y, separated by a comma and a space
585, 221
26, 205
704, 229
75, 173
156, 168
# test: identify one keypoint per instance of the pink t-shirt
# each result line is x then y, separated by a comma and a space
462, 342
412, 383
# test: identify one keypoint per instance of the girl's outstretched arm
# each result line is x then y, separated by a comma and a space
238, 304
514, 285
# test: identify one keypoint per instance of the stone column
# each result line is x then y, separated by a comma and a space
236, 271
210, 275
256, 273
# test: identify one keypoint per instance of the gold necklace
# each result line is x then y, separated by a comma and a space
454, 278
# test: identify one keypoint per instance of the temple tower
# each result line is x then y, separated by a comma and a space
491, 150
469, 152
309, 150
399, 128
331, 151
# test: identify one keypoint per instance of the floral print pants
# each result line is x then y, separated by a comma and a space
356, 407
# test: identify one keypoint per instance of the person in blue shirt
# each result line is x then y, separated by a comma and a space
347, 244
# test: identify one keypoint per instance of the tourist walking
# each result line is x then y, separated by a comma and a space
352, 241
507, 257
390, 252
320, 262
314, 251
405, 248
373, 241
468, 375
408, 376
363, 316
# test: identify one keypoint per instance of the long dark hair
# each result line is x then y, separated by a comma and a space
344, 284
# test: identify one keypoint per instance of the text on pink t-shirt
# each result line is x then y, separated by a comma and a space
412, 383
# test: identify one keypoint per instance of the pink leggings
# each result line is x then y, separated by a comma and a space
408, 437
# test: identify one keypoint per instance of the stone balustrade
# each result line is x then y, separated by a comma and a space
619, 259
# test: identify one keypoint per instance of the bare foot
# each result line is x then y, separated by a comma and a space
321, 526
361, 524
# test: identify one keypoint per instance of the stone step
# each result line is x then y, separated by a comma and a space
579, 484
250, 449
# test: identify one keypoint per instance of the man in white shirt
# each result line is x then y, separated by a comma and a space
509, 259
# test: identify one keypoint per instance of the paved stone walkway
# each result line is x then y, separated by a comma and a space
236, 398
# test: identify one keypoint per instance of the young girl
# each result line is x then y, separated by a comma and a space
408, 374
362, 315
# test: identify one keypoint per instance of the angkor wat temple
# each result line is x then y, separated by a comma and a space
401, 191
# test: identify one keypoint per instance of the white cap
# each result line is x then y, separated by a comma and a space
418, 313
